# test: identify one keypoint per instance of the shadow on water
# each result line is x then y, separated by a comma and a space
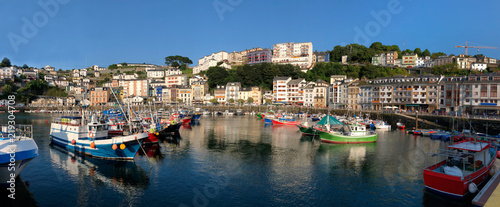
431, 199
22, 196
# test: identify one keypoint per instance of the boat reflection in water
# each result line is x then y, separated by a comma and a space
349, 156
96, 175
23, 197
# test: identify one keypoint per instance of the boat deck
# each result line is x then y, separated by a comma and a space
490, 194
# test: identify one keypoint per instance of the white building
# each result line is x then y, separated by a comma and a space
97, 68
295, 92
173, 71
211, 60
308, 95
156, 73
83, 72
478, 66
8, 73
280, 89
48, 68
232, 91
420, 62
300, 54
176, 80
76, 73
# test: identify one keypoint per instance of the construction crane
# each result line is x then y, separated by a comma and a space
468, 46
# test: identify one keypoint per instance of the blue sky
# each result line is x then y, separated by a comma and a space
83, 33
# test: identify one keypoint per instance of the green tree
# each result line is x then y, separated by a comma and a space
437, 54
124, 64
426, 53
179, 100
407, 51
377, 46
250, 100
7, 89
213, 101
25, 66
241, 101
36, 87
269, 101
230, 100
112, 66
5, 62
177, 61
418, 52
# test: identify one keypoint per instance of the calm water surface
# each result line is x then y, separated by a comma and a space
233, 161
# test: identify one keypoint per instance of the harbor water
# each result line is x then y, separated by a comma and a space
232, 161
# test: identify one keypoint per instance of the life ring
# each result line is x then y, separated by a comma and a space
91, 135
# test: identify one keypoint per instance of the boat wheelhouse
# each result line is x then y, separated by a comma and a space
460, 168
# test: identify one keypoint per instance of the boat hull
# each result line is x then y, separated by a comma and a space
103, 148
25, 151
343, 139
453, 186
286, 122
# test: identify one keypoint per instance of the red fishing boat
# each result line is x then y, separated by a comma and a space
460, 168
400, 125
152, 138
278, 122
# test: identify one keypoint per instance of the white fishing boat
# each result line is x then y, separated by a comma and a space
92, 138
16, 142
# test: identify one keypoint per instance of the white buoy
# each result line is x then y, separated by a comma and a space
472, 187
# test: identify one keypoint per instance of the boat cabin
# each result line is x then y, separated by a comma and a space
462, 159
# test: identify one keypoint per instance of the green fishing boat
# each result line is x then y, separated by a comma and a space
307, 130
354, 134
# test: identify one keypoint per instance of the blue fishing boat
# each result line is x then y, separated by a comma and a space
17, 143
92, 138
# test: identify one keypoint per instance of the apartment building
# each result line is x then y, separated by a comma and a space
220, 94
280, 89
136, 88
409, 60
211, 60
199, 89
175, 80
232, 91
256, 95
365, 95
300, 54
99, 96
295, 92
320, 89
259, 56
185, 94
156, 73
309, 94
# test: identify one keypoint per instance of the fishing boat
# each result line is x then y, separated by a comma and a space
382, 125
239, 112
306, 130
460, 168
354, 134
17, 143
269, 116
285, 122
400, 126
92, 139
186, 119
